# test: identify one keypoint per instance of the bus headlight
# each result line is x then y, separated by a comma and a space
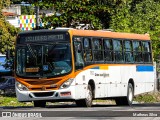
67, 83
21, 87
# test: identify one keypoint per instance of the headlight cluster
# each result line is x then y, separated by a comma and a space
67, 83
21, 87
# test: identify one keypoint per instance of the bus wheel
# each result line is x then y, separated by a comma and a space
128, 99
87, 102
130, 94
39, 103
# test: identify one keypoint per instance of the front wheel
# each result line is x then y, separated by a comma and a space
87, 102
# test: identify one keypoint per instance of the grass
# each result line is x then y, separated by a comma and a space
12, 101
152, 97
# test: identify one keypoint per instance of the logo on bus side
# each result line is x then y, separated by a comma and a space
102, 75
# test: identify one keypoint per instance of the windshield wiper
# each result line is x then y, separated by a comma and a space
31, 51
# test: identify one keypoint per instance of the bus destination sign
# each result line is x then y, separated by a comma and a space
41, 38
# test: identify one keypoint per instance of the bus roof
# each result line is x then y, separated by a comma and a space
95, 33
43, 31
109, 34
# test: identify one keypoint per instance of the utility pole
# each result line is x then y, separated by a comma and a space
37, 16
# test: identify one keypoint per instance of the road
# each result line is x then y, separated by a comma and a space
70, 111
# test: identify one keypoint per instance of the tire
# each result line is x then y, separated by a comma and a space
87, 102
130, 94
40, 104
128, 99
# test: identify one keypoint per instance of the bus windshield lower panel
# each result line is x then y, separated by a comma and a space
43, 60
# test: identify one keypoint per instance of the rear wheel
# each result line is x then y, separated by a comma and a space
130, 94
39, 103
128, 99
87, 102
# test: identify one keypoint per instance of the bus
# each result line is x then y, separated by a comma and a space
82, 65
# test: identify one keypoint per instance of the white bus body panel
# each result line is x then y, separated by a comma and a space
24, 96
109, 82
114, 81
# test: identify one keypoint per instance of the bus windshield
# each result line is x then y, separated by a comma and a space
43, 60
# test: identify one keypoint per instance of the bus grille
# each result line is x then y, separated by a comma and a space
43, 94
41, 89
43, 82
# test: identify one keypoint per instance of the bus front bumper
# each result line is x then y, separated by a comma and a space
56, 95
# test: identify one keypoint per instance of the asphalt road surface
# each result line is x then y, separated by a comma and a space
69, 111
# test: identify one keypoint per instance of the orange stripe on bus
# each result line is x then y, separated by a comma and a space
109, 34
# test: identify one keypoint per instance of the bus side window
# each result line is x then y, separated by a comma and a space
79, 62
118, 50
137, 51
87, 50
128, 51
108, 50
97, 50
146, 49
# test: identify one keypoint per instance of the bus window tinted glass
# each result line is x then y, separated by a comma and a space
145, 46
118, 53
87, 44
128, 51
97, 50
108, 50
137, 51
146, 52
79, 62
136, 46
87, 50
128, 46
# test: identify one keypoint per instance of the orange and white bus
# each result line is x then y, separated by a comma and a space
82, 65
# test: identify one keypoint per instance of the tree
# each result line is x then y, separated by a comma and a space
7, 31
139, 17
68, 13
27, 10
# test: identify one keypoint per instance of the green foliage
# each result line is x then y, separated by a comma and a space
7, 31
147, 98
12, 101
139, 17
136, 16
27, 10
151, 97
72, 12
7, 36
4, 3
